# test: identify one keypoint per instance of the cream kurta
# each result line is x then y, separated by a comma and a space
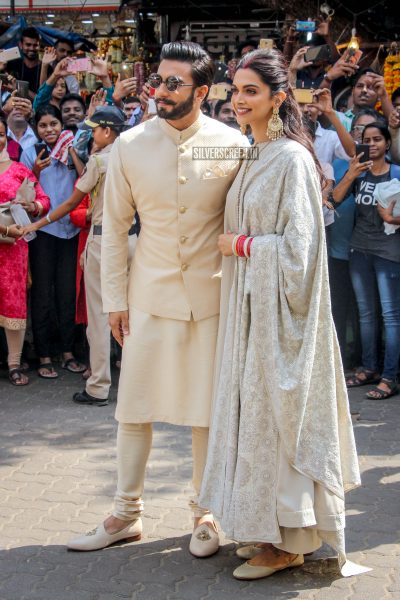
281, 448
173, 288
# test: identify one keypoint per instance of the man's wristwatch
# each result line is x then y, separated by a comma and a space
327, 78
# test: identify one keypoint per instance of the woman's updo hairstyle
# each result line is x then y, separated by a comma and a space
273, 70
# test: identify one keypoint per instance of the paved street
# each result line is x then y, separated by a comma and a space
57, 478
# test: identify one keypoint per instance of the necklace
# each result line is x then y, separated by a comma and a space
245, 171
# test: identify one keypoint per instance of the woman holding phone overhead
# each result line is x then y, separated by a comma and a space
374, 261
53, 253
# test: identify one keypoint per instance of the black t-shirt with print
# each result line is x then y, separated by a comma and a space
369, 233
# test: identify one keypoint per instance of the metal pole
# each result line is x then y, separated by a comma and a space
12, 8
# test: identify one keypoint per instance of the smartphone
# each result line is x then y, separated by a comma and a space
218, 91
152, 106
39, 148
363, 148
303, 95
126, 72
22, 89
305, 26
78, 65
318, 53
9, 54
266, 44
353, 56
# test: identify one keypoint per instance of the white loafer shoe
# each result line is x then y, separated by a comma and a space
204, 541
248, 571
98, 538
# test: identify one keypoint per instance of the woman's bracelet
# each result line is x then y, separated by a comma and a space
4, 235
241, 245
47, 217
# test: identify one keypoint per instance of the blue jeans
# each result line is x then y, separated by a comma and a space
374, 279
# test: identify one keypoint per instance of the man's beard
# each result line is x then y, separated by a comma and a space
180, 110
31, 55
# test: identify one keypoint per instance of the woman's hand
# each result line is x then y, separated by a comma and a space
28, 205
225, 243
30, 228
61, 69
40, 164
15, 231
357, 168
394, 119
387, 213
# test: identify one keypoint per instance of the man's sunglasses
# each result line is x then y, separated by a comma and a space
171, 83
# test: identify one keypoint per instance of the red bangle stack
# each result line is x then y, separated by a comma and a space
242, 246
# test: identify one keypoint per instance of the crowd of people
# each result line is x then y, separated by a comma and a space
54, 116
120, 199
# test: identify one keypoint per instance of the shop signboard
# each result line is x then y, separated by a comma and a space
51, 5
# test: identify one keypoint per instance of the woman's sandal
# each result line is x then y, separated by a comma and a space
17, 377
52, 373
357, 381
67, 364
378, 394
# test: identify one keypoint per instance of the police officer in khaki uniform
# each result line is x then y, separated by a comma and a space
106, 122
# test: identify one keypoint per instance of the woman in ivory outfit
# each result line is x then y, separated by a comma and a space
281, 449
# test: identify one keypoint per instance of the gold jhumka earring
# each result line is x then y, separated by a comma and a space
243, 129
275, 125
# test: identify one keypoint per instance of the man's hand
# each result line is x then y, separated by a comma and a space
99, 67
119, 323
22, 105
144, 96
378, 84
322, 100
98, 99
298, 63
30, 228
49, 55
341, 68
124, 88
225, 243
323, 28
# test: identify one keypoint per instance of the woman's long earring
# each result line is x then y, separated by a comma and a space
243, 129
275, 125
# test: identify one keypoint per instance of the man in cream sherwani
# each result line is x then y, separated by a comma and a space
166, 313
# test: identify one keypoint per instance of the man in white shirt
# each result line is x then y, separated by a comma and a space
17, 121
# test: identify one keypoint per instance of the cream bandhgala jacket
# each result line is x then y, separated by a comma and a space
180, 197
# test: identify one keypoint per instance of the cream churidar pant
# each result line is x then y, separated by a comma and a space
133, 449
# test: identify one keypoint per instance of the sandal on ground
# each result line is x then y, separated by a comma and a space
73, 366
378, 394
367, 377
17, 377
51, 372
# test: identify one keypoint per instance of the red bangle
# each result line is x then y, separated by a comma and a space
243, 245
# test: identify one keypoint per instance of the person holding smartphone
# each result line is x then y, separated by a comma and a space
374, 261
53, 253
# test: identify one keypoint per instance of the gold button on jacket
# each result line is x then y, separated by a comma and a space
168, 212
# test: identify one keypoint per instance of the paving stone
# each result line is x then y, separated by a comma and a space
57, 479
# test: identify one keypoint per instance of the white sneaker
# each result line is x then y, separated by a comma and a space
204, 541
98, 538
